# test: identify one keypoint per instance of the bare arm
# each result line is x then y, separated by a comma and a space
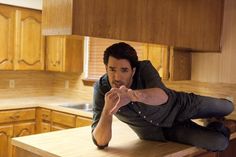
151, 96
103, 131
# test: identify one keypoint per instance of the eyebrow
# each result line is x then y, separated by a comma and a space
125, 69
112, 67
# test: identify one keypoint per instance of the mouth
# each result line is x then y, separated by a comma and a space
117, 85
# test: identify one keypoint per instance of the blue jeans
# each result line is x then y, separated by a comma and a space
188, 132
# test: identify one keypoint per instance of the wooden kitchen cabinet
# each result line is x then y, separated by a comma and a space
14, 123
29, 47
7, 18
64, 53
189, 24
82, 121
6, 132
43, 120
62, 120
22, 43
23, 129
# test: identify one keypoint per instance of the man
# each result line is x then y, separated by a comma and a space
132, 90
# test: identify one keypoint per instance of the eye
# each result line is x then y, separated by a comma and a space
124, 70
112, 69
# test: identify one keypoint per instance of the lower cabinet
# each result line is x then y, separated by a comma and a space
61, 120
14, 123
22, 122
6, 132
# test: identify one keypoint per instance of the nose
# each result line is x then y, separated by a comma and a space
117, 76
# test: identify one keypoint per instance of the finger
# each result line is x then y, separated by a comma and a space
114, 110
123, 88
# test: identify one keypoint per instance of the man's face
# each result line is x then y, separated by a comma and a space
119, 72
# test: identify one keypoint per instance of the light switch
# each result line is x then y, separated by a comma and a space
67, 84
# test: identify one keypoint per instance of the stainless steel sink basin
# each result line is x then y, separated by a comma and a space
85, 106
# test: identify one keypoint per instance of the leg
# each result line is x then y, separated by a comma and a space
213, 107
193, 134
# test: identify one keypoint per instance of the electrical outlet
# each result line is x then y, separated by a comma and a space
11, 83
67, 84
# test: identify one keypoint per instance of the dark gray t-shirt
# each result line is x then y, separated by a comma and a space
147, 120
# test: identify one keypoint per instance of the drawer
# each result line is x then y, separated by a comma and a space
81, 121
63, 118
17, 115
45, 115
45, 127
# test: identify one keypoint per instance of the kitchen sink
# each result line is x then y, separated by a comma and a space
84, 106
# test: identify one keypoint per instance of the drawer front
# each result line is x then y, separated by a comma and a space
17, 115
45, 115
81, 121
45, 127
63, 119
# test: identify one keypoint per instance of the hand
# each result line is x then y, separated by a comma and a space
123, 99
111, 98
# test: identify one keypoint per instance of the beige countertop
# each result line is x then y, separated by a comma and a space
77, 142
50, 102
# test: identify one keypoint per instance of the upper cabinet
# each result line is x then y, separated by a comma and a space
22, 43
191, 24
7, 20
29, 43
64, 53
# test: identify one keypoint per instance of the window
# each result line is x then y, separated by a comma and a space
95, 49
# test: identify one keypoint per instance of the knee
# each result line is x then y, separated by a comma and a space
229, 106
219, 144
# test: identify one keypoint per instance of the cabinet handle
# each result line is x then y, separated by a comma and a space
17, 116
56, 63
45, 116
12, 117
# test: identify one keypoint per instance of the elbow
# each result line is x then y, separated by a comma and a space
165, 97
99, 145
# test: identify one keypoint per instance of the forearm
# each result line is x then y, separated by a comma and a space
151, 96
103, 131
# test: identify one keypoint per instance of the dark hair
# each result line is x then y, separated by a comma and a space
121, 50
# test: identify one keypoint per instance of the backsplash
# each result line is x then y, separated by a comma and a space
25, 84
36, 83
71, 85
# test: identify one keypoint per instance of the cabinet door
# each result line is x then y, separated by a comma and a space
6, 132
64, 53
6, 37
54, 51
23, 129
29, 47
81, 121
63, 119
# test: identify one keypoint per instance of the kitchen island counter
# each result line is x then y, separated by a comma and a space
77, 142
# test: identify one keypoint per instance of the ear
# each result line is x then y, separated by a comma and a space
134, 69
106, 68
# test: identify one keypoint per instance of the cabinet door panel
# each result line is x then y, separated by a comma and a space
5, 140
6, 37
23, 129
54, 50
29, 53
81, 121
63, 119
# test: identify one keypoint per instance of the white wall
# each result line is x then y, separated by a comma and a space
35, 4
